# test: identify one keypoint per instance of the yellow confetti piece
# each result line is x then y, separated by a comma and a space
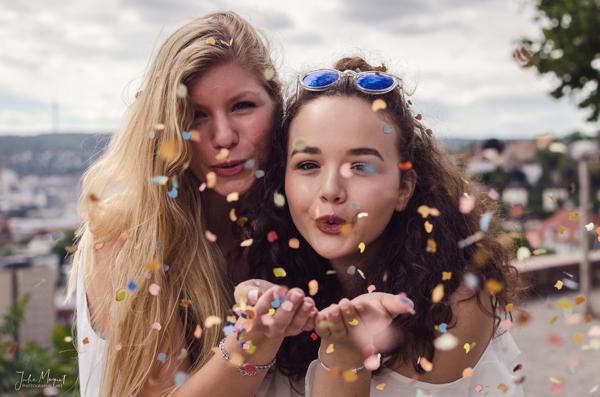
68, 339
223, 154
198, 332
349, 376
181, 91
271, 312
438, 293
210, 236
380, 386
294, 243
211, 321
493, 286
279, 272
431, 246
233, 196
313, 287
578, 338
426, 211
236, 359
167, 150
552, 320
428, 226
561, 229
211, 41
232, 216
378, 104
329, 349
345, 229
299, 144
361, 247
573, 216
246, 243
211, 180
353, 322
279, 199
467, 347
446, 276
425, 364
509, 307
558, 285
152, 265
120, 295
565, 304
467, 372
579, 299
98, 246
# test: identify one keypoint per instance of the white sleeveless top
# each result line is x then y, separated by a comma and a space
91, 346
491, 374
92, 356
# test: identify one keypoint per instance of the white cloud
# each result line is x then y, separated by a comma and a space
89, 57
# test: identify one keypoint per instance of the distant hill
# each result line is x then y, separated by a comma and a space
71, 154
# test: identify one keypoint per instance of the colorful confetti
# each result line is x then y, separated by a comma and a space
378, 104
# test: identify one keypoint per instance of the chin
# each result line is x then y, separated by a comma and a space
240, 186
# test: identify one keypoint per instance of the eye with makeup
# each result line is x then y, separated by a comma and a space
362, 168
243, 105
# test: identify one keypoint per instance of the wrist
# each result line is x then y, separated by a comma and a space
340, 355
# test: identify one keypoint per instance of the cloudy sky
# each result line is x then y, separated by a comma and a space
87, 58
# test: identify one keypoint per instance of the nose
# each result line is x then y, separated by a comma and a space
224, 134
333, 187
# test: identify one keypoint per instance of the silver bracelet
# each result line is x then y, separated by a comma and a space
246, 369
326, 368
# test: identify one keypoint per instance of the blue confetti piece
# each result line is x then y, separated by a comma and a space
162, 357
187, 135
387, 129
132, 286
276, 303
486, 219
259, 174
151, 135
172, 193
443, 328
180, 377
228, 329
355, 206
249, 164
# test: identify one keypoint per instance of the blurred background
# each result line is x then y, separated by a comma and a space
510, 87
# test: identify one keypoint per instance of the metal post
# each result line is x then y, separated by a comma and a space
584, 205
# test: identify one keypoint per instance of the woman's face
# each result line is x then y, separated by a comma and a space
233, 114
342, 179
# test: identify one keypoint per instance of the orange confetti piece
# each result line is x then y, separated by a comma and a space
330, 349
425, 364
378, 104
152, 265
573, 216
198, 332
405, 166
231, 197
493, 286
579, 299
446, 276
578, 338
85, 340
467, 372
509, 307
210, 236
426, 211
211, 321
431, 246
349, 376
167, 150
294, 243
246, 243
428, 226
211, 180
313, 287
222, 155
502, 387
380, 386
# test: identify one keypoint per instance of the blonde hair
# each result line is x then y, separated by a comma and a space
118, 196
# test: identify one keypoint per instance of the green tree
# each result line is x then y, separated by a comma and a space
568, 47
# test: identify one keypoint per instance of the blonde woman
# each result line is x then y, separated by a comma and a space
157, 253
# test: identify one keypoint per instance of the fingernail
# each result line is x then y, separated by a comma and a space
406, 300
306, 306
252, 296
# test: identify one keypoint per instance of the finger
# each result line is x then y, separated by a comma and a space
397, 304
358, 329
311, 322
251, 290
301, 317
337, 326
322, 325
270, 299
286, 312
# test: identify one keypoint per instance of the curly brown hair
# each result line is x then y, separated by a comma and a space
404, 265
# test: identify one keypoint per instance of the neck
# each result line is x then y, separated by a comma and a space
353, 284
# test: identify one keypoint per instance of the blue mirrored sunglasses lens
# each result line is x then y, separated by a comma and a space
375, 82
320, 78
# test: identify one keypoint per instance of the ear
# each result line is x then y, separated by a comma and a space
408, 180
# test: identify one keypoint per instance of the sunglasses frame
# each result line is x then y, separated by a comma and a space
355, 76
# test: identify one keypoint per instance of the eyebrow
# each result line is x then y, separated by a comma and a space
361, 151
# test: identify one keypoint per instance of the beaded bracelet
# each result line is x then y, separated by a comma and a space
246, 369
326, 368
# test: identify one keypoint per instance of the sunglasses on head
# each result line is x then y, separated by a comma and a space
368, 82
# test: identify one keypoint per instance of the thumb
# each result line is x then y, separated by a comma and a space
397, 304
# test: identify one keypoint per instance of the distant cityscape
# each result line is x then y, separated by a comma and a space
535, 182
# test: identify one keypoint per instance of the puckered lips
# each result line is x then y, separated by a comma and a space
330, 224
228, 168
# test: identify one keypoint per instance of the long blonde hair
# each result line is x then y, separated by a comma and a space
165, 242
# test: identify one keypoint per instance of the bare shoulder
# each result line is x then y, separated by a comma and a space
98, 284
